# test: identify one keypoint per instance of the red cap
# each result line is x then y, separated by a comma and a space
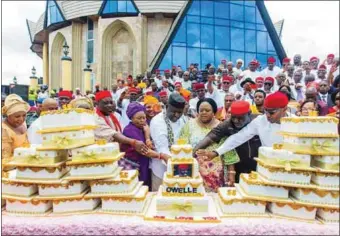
330, 56
254, 62
199, 86
223, 61
157, 71
133, 90
174, 67
313, 58
163, 93
65, 93
178, 83
183, 166
166, 71
259, 79
227, 78
322, 67
276, 100
271, 79
103, 94
286, 60
150, 93
271, 60
239, 108
313, 84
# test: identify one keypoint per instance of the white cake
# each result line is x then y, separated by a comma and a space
328, 215
75, 205
95, 152
311, 145
184, 187
310, 126
326, 162
67, 139
282, 175
252, 185
30, 155
92, 169
292, 210
232, 202
18, 189
181, 152
316, 196
133, 204
67, 118
324, 179
41, 173
27, 206
125, 182
68, 188
277, 156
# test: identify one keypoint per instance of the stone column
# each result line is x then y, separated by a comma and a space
77, 55
87, 79
66, 73
45, 64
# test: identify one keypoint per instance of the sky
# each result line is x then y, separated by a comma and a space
311, 28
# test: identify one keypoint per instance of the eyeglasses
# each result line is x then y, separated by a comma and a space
323, 85
271, 112
268, 84
226, 82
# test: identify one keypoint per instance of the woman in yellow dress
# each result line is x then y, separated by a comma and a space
14, 130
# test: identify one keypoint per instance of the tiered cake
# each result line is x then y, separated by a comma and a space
290, 179
47, 180
182, 196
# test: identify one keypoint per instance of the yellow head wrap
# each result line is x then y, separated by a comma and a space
82, 102
14, 104
150, 100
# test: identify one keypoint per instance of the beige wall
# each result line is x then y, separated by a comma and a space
158, 28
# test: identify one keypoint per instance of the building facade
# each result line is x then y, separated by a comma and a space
119, 38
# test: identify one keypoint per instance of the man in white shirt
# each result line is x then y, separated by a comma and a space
298, 89
186, 84
259, 82
251, 72
237, 69
285, 64
49, 104
200, 91
78, 94
314, 63
165, 130
268, 85
248, 91
266, 126
271, 70
114, 92
297, 61
321, 74
179, 76
123, 103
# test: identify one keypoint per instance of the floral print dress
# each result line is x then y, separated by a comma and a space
213, 172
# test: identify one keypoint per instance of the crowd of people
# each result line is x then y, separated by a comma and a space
225, 113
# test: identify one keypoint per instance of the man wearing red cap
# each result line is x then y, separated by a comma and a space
109, 127
240, 117
266, 126
251, 72
163, 97
178, 86
322, 71
200, 92
167, 76
285, 64
64, 97
329, 62
259, 82
271, 70
268, 85
123, 102
314, 63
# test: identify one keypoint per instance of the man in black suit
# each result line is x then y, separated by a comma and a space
324, 95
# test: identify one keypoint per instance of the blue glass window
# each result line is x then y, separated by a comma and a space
215, 30
261, 42
53, 13
250, 14
237, 39
222, 10
236, 12
90, 40
250, 39
119, 7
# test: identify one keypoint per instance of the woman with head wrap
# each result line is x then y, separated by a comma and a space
136, 130
82, 102
194, 131
14, 130
151, 107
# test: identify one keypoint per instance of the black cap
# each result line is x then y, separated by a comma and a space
176, 100
246, 81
